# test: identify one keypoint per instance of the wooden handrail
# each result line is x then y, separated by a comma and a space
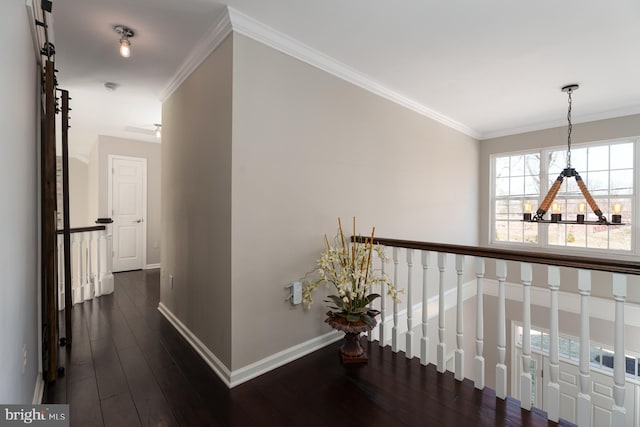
590, 263
83, 229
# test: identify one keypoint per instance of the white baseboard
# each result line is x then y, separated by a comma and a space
246, 373
38, 389
151, 266
214, 363
283, 357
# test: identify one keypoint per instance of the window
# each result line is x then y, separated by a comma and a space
607, 169
569, 349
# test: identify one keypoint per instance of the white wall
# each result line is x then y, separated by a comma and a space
18, 177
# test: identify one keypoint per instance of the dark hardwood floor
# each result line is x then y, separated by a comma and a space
129, 367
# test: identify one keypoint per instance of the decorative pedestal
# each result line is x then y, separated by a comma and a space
351, 350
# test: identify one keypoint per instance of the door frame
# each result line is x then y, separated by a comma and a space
110, 172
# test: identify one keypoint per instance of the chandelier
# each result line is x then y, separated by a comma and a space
569, 172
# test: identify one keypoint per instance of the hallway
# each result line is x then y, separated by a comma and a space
129, 367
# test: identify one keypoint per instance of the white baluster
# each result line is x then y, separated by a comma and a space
479, 359
394, 331
526, 276
409, 335
552, 395
424, 341
90, 277
442, 346
107, 278
99, 263
459, 353
382, 336
60, 240
77, 256
371, 291
618, 417
501, 367
86, 282
584, 398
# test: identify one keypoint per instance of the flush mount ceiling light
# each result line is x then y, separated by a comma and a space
125, 35
158, 129
111, 86
569, 172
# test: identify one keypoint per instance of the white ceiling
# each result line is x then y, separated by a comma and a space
494, 66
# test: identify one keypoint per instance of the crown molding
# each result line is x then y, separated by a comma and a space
603, 115
262, 33
215, 35
233, 20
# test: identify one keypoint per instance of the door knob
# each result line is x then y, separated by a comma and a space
139, 220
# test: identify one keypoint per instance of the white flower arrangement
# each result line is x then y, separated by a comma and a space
348, 267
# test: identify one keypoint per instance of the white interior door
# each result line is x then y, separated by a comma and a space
128, 211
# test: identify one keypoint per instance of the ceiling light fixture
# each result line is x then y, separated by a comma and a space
158, 129
111, 86
125, 44
568, 172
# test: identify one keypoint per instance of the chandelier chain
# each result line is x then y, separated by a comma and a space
569, 130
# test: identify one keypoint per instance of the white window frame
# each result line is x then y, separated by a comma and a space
542, 244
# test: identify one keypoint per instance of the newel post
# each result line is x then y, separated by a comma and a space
106, 256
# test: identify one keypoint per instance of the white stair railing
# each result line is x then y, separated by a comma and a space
91, 274
522, 370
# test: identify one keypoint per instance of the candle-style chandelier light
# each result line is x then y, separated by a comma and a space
569, 172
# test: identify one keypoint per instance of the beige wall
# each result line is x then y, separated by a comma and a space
98, 184
92, 184
196, 204
245, 208
308, 148
78, 194
19, 254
